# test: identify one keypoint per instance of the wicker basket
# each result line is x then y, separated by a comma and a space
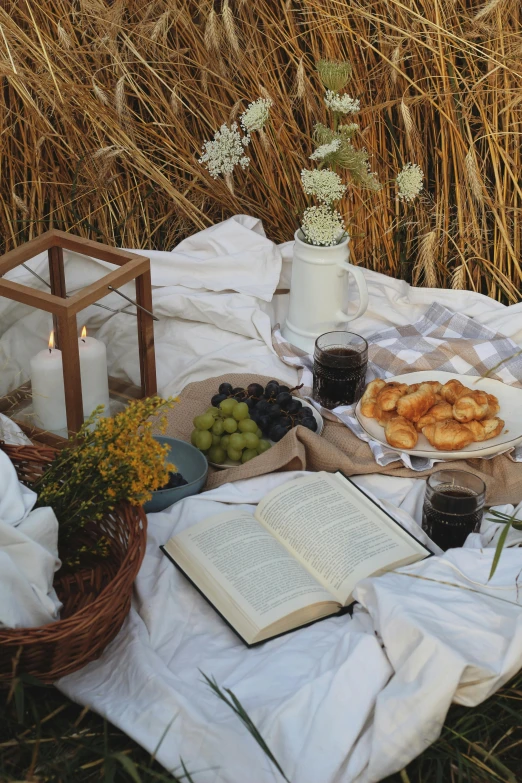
95, 600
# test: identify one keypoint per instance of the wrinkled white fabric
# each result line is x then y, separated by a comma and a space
332, 703
325, 698
28, 554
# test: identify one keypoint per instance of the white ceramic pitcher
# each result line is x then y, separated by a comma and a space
318, 290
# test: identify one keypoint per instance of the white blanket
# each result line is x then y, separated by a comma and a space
332, 703
28, 555
326, 698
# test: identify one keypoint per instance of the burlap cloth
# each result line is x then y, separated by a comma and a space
336, 449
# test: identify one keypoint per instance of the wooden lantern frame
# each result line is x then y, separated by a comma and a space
64, 309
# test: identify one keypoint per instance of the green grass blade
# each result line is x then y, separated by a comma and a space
500, 547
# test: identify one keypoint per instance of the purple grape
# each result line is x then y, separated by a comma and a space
274, 411
225, 388
217, 398
283, 399
310, 424
255, 390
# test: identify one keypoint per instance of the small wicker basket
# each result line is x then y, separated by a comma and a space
95, 600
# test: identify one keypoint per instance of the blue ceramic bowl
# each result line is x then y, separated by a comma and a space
192, 465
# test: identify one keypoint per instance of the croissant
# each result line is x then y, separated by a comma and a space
493, 406
414, 405
439, 412
452, 390
400, 433
448, 435
492, 427
390, 394
477, 430
369, 397
435, 385
383, 416
485, 429
471, 405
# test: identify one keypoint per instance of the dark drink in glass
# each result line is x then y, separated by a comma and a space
340, 361
453, 507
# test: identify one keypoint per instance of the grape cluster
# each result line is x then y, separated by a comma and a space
272, 408
227, 430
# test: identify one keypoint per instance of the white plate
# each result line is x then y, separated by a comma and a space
317, 416
510, 401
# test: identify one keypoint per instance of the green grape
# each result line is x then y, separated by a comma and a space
247, 425
240, 411
251, 440
213, 410
207, 421
225, 440
216, 440
230, 424
263, 445
193, 437
259, 433
217, 454
217, 427
227, 406
248, 454
233, 454
203, 440
237, 441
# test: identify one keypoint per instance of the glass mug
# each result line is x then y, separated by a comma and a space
340, 361
453, 507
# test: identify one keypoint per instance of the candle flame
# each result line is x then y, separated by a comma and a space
84, 332
51, 341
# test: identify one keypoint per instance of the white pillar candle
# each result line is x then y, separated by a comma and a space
93, 369
47, 388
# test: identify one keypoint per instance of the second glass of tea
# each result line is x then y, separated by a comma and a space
340, 361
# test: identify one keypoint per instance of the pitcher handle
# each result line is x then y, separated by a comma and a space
363, 292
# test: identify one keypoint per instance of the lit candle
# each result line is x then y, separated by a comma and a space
93, 369
47, 388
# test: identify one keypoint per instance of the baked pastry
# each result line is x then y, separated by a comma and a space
383, 416
471, 405
414, 405
493, 406
492, 427
390, 395
452, 390
369, 397
449, 435
485, 429
400, 433
435, 385
439, 412
477, 429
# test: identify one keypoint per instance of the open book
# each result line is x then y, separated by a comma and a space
296, 560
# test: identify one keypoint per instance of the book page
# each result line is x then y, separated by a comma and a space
262, 578
338, 533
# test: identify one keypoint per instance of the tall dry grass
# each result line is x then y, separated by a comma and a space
105, 105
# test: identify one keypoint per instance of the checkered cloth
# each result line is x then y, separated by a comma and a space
440, 340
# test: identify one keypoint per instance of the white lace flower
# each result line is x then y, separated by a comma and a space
322, 226
409, 182
254, 118
324, 184
326, 149
226, 151
349, 129
341, 103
